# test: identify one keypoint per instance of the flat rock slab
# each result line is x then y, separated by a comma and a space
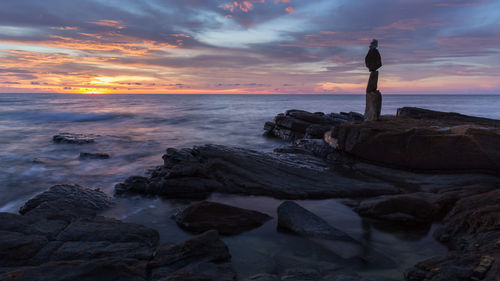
72, 138
195, 173
227, 220
93, 155
423, 144
298, 220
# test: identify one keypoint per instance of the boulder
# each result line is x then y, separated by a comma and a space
421, 113
373, 105
372, 82
67, 201
373, 60
227, 220
195, 173
72, 138
421, 144
295, 219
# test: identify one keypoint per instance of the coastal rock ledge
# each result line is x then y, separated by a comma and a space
423, 140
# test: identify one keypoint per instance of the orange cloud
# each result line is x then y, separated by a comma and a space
109, 23
289, 10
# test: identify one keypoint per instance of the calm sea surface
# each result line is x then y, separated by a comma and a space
136, 129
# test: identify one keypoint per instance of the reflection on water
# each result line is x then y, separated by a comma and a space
135, 130
266, 250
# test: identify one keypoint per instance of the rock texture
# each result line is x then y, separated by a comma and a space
373, 105
227, 220
60, 236
72, 138
422, 144
296, 124
195, 173
296, 219
472, 230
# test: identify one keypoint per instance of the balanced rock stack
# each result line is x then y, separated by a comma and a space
373, 97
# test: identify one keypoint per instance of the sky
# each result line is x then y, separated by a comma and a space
248, 47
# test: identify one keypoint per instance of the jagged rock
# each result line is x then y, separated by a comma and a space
47, 244
93, 155
203, 257
194, 173
421, 144
72, 138
294, 218
373, 106
472, 231
296, 124
227, 220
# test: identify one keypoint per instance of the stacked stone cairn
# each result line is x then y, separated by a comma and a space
373, 62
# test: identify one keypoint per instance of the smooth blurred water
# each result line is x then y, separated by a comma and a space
136, 129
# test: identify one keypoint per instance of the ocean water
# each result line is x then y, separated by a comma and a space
136, 129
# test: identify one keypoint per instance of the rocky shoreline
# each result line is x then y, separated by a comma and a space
408, 170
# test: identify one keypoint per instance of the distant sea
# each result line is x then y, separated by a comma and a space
136, 129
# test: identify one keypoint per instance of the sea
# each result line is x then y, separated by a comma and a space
135, 131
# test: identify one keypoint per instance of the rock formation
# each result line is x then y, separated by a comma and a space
373, 62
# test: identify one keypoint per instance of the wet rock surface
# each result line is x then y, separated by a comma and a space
72, 138
195, 173
296, 124
60, 236
422, 144
472, 232
227, 220
93, 155
298, 220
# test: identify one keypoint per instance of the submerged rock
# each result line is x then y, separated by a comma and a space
227, 220
203, 257
72, 138
195, 173
294, 218
93, 155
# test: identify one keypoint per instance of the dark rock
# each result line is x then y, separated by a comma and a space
472, 231
227, 220
106, 229
408, 209
16, 248
194, 173
94, 155
373, 106
421, 113
372, 82
296, 124
316, 131
294, 218
263, 277
66, 200
421, 144
202, 257
373, 60
72, 138
100, 269
301, 274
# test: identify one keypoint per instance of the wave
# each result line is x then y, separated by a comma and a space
63, 116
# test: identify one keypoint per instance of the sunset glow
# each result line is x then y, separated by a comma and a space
247, 47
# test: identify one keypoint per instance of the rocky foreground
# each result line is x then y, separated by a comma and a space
59, 234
